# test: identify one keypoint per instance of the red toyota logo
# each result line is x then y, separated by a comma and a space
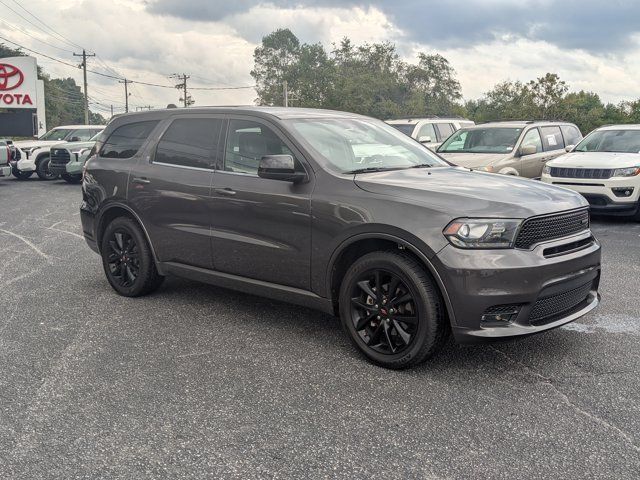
10, 77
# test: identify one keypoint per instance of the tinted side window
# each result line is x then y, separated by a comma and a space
445, 130
552, 138
190, 142
427, 130
247, 143
571, 134
125, 141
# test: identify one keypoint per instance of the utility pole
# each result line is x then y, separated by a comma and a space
126, 93
285, 91
83, 66
111, 111
186, 98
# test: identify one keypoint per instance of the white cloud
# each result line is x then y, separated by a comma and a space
148, 47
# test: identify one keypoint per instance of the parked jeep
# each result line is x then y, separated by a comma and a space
34, 154
67, 159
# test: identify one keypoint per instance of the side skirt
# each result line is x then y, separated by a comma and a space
249, 285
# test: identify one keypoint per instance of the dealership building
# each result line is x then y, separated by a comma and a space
22, 109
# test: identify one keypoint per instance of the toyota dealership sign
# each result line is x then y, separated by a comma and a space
18, 82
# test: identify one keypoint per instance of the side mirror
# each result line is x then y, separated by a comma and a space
280, 167
425, 139
74, 139
569, 148
528, 150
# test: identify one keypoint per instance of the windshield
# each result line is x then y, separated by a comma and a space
349, 144
57, 134
95, 137
405, 128
482, 140
622, 141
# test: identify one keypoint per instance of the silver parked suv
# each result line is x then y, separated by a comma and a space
511, 148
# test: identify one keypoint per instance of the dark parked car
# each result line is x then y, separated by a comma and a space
339, 212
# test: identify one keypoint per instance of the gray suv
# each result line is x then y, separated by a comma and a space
342, 213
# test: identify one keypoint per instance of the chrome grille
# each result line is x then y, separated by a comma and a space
550, 227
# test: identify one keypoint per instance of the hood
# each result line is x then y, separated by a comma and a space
596, 160
473, 160
74, 145
34, 143
461, 193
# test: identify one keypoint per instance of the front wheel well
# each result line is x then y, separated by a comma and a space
360, 248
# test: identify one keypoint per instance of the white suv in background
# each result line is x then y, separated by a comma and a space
430, 132
34, 154
604, 168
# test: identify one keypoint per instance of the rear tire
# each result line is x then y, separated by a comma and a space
71, 178
20, 175
391, 310
127, 259
42, 169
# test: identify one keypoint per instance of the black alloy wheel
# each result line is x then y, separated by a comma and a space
127, 259
383, 311
392, 310
123, 258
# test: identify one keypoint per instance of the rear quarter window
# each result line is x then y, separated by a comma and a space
126, 140
571, 134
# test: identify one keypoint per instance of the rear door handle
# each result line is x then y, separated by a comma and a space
225, 191
140, 180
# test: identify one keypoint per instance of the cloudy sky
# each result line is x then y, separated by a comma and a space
593, 45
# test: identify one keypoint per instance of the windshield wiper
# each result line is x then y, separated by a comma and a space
422, 165
373, 169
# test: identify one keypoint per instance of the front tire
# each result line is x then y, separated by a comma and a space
20, 175
391, 310
42, 169
127, 259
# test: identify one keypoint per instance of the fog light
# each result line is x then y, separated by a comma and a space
500, 315
622, 191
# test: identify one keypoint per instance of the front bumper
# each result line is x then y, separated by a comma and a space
600, 193
545, 290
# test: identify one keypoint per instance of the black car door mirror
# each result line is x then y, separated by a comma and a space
280, 167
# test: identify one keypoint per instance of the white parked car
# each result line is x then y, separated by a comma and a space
430, 132
34, 154
605, 168
5, 156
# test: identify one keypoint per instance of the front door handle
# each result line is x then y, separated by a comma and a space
225, 191
140, 180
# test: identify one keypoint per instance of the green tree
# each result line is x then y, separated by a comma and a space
274, 63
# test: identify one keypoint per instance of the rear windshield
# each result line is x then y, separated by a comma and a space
621, 141
482, 140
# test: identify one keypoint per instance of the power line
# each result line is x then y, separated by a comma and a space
64, 39
24, 31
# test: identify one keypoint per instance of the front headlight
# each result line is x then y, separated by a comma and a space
486, 168
546, 170
482, 232
626, 172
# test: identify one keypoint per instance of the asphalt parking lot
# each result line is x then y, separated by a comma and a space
198, 381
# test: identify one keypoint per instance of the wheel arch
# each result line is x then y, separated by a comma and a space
359, 245
113, 211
